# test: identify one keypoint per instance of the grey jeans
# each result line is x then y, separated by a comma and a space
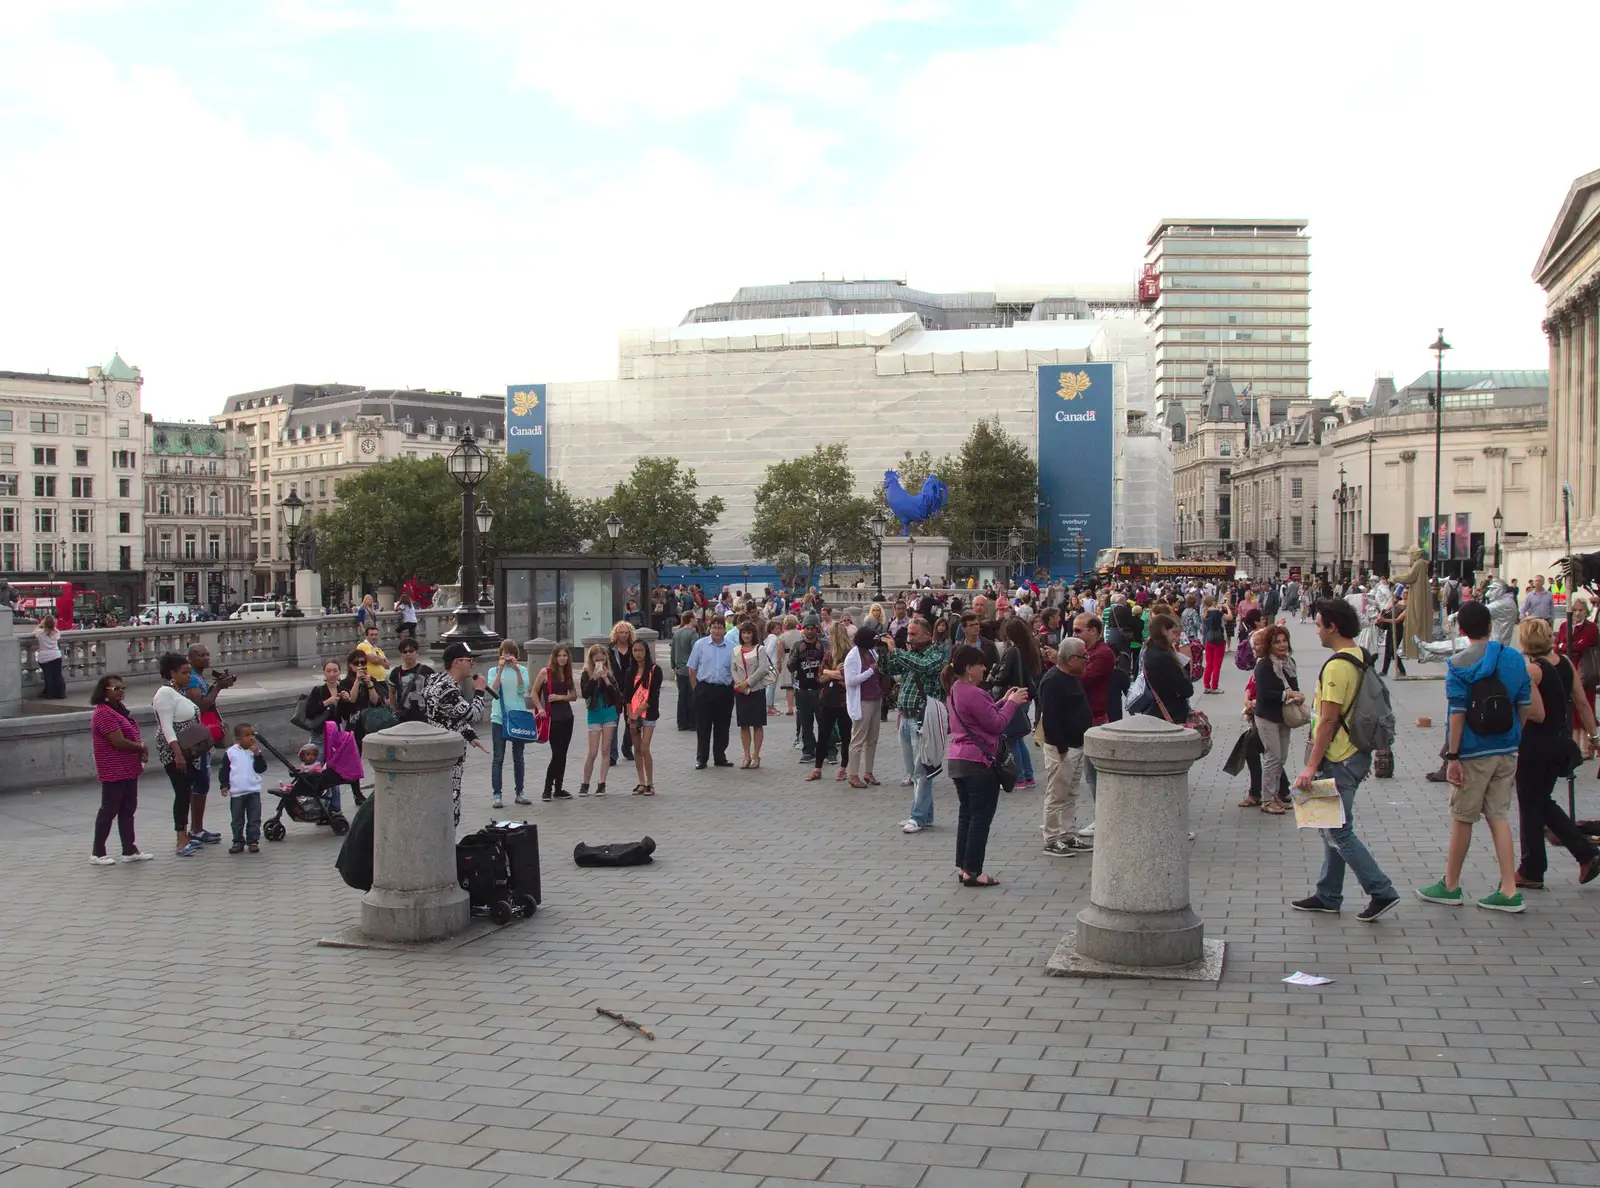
1274, 754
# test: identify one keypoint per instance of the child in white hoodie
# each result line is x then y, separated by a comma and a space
239, 777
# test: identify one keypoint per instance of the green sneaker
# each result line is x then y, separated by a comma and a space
1502, 903
1438, 893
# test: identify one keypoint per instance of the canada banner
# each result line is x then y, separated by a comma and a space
525, 423
1075, 463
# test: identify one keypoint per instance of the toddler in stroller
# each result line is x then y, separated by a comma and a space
307, 798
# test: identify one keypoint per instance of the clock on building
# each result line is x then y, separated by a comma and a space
124, 398
369, 445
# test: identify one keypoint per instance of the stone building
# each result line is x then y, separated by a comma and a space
1568, 269
1275, 494
1213, 441
70, 493
304, 438
196, 515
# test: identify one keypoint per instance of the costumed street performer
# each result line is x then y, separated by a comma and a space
1419, 602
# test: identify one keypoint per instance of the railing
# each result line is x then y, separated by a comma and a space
237, 645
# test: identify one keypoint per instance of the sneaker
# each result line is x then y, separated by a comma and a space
1439, 893
547, 795
1312, 904
1063, 847
187, 851
1498, 902
254, 847
1529, 884
101, 860
1025, 784
206, 836
236, 848
1375, 908
140, 856
498, 803
563, 794
1087, 830
521, 799
910, 827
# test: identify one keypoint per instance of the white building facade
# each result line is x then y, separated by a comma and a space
70, 490
196, 516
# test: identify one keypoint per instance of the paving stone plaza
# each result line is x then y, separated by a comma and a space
829, 1005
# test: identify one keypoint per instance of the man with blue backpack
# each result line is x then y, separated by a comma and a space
1352, 719
1490, 696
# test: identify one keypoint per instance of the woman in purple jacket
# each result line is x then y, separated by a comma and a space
976, 726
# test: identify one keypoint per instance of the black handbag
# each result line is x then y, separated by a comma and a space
1003, 763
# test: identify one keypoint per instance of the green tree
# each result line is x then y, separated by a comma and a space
806, 508
532, 514
994, 484
662, 517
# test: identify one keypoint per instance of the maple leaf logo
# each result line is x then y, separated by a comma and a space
1073, 384
523, 403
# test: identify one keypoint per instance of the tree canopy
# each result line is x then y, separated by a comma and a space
806, 510
662, 517
401, 519
993, 484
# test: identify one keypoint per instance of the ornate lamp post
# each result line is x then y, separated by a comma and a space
1180, 531
614, 530
880, 525
1366, 497
485, 520
1499, 524
293, 509
468, 465
1014, 539
1439, 347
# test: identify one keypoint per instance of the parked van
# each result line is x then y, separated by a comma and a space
161, 614
258, 610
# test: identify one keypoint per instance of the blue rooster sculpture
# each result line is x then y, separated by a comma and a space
913, 509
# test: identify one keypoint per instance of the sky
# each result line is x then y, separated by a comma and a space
468, 194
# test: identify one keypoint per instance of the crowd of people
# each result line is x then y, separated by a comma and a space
975, 688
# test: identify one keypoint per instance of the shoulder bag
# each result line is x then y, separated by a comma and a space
1589, 668
522, 725
1003, 763
1196, 721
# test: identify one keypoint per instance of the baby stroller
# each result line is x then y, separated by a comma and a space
308, 799
498, 867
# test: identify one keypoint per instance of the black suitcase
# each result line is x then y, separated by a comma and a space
520, 840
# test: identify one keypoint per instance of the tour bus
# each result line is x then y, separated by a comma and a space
35, 600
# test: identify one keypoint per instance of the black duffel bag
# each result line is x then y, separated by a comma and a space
616, 853
355, 856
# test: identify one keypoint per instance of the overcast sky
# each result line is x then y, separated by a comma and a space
471, 193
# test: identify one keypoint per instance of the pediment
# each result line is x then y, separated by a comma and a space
1578, 212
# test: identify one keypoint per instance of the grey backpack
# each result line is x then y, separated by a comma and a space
1369, 723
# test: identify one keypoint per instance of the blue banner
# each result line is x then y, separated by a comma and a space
1076, 463
526, 424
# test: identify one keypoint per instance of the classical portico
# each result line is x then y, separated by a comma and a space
1569, 272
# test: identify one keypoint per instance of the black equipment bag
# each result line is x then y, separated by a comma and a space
482, 868
520, 840
355, 856
615, 854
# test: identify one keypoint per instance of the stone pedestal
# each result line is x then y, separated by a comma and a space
10, 668
1139, 922
905, 560
308, 592
415, 897
536, 654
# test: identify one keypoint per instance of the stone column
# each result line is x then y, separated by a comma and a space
10, 668
1408, 527
1550, 485
1139, 922
1591, 410
414, 896
1570, 370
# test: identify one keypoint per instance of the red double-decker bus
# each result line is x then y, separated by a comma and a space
61, 599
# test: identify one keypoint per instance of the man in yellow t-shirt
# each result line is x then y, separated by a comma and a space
1334, 756
377, 662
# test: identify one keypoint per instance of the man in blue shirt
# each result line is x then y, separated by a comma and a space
1482, 768
711, 679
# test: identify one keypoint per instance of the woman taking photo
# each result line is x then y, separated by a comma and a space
863, 695
644, 711
977, 724
1542, 758
554, 691
174, 711
119, 759
47, 645
832, 713
509, 688
408, 616
602, 698
1276, 684
1585, 638
1166, 673
751, 672
1019, 668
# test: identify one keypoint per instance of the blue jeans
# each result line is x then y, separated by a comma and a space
498, 732
1024, 757
1341, 846
244, 810
922, 794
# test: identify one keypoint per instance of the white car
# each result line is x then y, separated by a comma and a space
258, 610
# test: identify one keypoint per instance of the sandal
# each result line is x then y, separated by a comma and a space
1250, 802
814, 774
755, 763
980, 881
1272, 808
745, 762
649, 790
872, 782
638, 789
855, 783
842, 774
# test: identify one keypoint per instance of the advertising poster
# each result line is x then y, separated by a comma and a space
1075, 461
1461, 539
525, 423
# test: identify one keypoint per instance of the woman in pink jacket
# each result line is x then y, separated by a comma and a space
976, 726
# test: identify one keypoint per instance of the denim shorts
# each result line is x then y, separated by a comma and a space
601, 718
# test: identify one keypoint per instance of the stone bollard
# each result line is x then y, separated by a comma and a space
1139, 922
414, 896
10, 667
536, 655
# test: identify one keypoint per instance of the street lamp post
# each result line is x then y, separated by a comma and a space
1078, 538
1366, 498
1500, 523
293, 508
1180, 532
1339, 497
1014, 539
468, 465
880, 525
613, 531
1439, 347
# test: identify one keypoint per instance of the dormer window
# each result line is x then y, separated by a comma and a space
322, 431
337, 428
408, 427
433, 428
1226, 447
449, 428
488, 433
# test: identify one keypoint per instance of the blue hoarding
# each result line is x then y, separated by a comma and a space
526, 424
1075, 462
